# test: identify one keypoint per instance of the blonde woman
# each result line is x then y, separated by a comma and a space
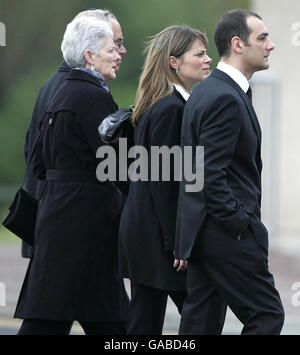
176, 60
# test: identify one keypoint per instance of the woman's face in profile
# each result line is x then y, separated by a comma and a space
195, 64
106, 61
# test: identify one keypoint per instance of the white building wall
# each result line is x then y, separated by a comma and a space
282, 19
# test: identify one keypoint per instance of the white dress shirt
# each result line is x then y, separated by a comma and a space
235, 75
182, 91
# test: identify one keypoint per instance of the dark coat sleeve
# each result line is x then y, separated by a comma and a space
100, 107
166, 132
33, 130
219, 134
36, 162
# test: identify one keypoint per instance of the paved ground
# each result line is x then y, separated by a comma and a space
285, 267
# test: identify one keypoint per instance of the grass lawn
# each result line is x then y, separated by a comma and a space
6, 237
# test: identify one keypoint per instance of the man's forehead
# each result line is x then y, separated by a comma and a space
116, 27
256, 26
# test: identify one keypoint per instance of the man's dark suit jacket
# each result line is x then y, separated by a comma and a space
219, 116
33, 185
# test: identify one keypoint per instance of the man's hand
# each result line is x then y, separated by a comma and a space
180, 265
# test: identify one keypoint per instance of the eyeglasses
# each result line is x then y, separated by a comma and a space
119, 43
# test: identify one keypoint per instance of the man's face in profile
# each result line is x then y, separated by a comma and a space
118, 40
256, 54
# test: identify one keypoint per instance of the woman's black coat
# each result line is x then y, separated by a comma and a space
33, 185
74, 272
147, 227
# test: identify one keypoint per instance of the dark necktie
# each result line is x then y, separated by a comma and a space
249, 93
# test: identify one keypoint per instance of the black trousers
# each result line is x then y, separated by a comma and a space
148, 308
238, 271
46, 327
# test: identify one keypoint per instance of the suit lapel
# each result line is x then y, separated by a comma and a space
223, 76
252, 114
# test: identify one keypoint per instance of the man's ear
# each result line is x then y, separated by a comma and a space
237, 45
89, 57
174, 62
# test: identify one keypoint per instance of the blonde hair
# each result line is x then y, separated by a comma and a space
157, 78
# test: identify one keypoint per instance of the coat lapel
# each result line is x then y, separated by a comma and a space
223, 76
179, 96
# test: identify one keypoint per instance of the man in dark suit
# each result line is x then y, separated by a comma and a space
33, 185
219, 229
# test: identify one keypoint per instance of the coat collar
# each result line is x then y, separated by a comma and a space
177, 94
83, 76
184, 94
64, 67
223, 76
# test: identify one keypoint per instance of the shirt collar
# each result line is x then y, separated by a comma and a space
235, 75
182, 91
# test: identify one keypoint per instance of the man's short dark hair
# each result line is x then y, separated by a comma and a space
232, 23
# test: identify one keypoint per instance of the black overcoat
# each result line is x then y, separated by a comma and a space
33, 185
74, 272
147, 227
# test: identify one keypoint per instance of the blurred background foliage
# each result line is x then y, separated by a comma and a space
34, 31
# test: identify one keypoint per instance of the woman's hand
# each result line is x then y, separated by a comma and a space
180, 265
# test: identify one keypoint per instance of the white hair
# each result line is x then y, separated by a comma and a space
104, 15
83, 33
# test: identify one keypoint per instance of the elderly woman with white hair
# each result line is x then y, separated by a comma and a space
74, 272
